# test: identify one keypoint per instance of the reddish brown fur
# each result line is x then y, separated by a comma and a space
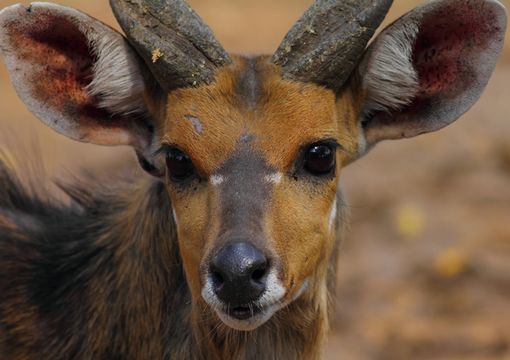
274, 124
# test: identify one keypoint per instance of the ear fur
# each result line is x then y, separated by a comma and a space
76, 74
429, 67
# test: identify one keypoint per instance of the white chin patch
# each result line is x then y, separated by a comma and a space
268, 304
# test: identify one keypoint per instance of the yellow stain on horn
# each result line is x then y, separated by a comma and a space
156, 55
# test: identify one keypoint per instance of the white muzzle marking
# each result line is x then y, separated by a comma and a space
269, 303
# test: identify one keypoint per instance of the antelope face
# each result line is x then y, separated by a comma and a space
251, 150
253, 188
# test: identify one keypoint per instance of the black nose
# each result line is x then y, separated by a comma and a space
238, 273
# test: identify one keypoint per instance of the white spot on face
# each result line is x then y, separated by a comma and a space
274, 178
332, 216
197, 124
217, 180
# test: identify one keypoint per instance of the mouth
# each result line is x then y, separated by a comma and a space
244, 312
246, 318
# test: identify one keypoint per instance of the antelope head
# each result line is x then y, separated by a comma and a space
251, 149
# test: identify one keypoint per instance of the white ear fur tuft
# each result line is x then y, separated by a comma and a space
117, 81
390, 81
429, 67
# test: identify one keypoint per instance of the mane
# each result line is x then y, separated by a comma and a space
82, 265
34, 209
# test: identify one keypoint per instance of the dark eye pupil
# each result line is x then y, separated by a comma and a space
320, 159
179, 164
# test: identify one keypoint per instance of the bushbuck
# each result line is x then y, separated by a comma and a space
227, 248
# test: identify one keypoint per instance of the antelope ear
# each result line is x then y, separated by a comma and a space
429, 67
76, 74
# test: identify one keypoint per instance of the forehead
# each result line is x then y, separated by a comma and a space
249, 105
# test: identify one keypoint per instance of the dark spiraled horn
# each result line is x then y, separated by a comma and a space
177, 46
325, 45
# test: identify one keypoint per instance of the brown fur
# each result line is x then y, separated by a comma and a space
132, 301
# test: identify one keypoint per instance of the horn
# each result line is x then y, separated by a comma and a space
326, 43
177, 46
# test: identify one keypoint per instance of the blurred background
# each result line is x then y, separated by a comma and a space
425, 268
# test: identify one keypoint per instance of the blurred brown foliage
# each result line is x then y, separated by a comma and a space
425, 269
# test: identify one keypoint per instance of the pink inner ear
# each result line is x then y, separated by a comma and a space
56, 65
448, 46
61, 61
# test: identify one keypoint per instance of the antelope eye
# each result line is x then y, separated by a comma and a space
320, 159
179, 164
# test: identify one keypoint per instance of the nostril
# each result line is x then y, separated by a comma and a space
217, 279
258, 274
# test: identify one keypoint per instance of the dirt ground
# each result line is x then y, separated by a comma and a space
425, 268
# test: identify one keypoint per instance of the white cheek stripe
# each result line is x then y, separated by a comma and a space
302, 289
217, 180
274, 178
175, 217
332, 216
